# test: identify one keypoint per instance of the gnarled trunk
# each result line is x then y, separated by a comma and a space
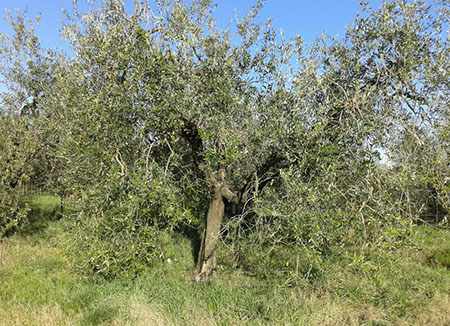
206, 264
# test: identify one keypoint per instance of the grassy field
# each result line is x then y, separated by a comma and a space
409, 287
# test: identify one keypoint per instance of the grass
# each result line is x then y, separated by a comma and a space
409, 287
443, 257
42, 210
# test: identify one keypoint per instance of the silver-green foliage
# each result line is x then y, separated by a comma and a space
27, 144
375, 148
159, 111
15, 147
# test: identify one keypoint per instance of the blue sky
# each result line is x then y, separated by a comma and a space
308, 18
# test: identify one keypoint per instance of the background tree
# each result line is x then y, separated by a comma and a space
27, 143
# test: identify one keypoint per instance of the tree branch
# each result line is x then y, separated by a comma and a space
229, 195
273, 164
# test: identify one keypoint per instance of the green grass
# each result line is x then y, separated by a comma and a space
408, 287
443, 257
42, 210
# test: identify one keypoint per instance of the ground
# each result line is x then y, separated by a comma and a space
410, 286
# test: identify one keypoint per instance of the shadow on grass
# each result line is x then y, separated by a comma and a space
193, 234
43, 210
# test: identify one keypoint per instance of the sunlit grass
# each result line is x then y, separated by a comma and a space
408, 287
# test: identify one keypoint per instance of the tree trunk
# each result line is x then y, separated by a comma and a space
206, 264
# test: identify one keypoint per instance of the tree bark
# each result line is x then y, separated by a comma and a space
207, 264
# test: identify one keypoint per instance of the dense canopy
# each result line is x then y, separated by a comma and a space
162, 121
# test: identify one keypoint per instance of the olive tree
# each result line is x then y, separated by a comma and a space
221, 116
359, 96
26, 71
168, 89
166, 118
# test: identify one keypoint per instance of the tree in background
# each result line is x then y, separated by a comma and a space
26, 154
